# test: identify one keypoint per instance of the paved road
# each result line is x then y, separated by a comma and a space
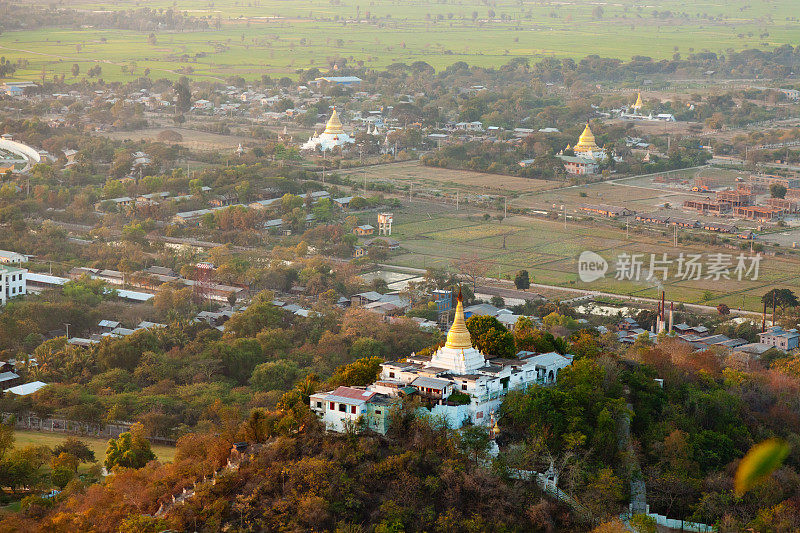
506, 289
501, 288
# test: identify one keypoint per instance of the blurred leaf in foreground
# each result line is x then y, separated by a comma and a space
760, 462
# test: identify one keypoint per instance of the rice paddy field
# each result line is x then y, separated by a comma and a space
277, 37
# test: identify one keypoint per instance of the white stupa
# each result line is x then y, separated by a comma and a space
329, 139
458, 355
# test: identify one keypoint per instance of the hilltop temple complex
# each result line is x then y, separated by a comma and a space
332, 137
457, 383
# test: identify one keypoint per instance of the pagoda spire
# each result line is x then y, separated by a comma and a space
458, 337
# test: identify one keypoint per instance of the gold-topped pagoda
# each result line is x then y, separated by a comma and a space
638, 105
586, 143
334, 125
458, 337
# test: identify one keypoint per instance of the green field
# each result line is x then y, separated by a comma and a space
276, 37
436, 236
98, 446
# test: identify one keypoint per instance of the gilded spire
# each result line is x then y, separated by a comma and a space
334, 125
586, 141
638, 104
458, 337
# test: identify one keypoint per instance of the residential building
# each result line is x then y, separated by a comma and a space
780, 338
610, 211
14, 282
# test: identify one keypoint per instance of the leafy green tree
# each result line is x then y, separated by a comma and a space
130, 450
183, 95
522, 280
782, 298
776, 190
358, 373
76, 448
490, 336
274, 375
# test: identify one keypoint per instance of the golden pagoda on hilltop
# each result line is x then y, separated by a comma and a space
458, 355
333, 136
586, 144
638, 105
458, 338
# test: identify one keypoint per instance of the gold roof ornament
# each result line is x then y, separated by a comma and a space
638, 104
458, 337
334, 125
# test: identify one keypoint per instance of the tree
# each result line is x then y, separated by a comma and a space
723, 309
183, 95
361, 372
782, 298
76, 69
130, 450
776, 190
6, 440
490, 336
472, 267
77, 449
522, 280
152, 40
274, 375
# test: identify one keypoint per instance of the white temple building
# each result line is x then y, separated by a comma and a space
457, 383
329, 139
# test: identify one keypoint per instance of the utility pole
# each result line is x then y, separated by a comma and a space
68, 325
456, 200
505, 207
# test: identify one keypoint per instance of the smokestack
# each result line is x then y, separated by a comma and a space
671, 315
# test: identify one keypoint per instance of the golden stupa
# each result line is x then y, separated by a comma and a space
458, 337
334, 125
638, 104
586, 141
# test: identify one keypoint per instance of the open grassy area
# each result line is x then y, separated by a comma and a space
277, 37
436, 236
98, 446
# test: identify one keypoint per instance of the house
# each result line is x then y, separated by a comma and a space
385, 242
610, 211
108, 325
345, 81
780, 338
13, 281
8, 379
12, 257
363, 230
681, 222
341, 409
720, 228
26, 388
343, 202
652, 218
579, 165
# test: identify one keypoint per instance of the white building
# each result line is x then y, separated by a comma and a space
780, 338
329, 139
12, 257
457, 383
14, 282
